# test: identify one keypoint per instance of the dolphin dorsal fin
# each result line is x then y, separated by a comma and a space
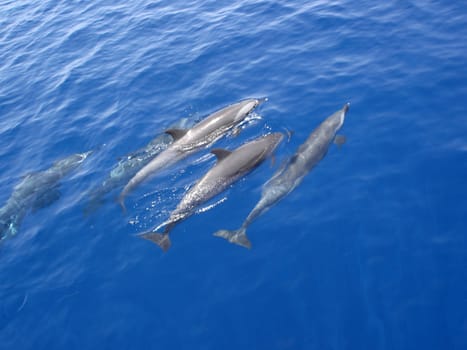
177, 134
220, 153
25, 176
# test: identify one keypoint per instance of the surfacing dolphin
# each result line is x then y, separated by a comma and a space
35, 191
230, 167
128, 166
201, 135
308, 155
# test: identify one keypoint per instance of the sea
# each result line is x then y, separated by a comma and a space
368, 252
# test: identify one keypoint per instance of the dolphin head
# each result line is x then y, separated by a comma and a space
247, 106
343, 113
70, 163
337, 119
271, 141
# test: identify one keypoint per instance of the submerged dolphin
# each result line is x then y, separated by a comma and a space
189, 141
35, 191
127, 167
285, 180
230, 167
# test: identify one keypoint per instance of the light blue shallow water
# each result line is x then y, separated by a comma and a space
368, 253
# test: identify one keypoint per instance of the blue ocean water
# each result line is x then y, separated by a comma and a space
370, 252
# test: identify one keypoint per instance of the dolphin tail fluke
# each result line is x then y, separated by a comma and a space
161, 239
238, 237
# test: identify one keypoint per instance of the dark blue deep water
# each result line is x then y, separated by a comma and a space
369, 252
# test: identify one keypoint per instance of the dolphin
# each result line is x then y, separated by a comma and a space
36, 190
308, 155
230, 167
186, 142
129, 165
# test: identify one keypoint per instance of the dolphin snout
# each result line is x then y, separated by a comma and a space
84, 155
346, 107
260, 101
275, 139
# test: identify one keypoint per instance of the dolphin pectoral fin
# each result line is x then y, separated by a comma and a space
161, 239
339, 140
176, 133
238, 237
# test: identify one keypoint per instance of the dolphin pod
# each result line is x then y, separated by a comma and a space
308, 155
35, 191
40, 189
186, 142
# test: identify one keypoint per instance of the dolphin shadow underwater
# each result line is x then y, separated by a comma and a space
36, 191
285, 180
